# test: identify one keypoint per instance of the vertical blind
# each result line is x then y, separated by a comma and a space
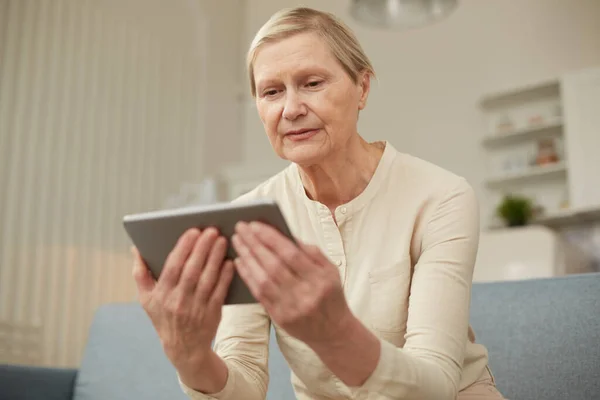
100, 115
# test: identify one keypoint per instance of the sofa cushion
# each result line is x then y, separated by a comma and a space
124, 359
280, 382
18, 382
543, 336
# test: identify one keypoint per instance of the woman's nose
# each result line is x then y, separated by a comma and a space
293, 107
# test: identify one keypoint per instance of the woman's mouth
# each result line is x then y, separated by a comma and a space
302, 134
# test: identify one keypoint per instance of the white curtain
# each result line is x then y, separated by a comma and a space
101, 114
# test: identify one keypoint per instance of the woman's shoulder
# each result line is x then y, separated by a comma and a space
272, 188
419, 175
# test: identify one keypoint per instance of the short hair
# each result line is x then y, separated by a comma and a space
291, 21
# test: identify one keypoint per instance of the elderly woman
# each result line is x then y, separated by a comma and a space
373, 300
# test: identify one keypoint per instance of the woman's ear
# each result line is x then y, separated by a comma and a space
364, 87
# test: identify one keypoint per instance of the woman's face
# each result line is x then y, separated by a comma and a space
307, 102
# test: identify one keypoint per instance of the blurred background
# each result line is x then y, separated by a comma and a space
110, 107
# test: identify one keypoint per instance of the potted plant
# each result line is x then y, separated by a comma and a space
515, 210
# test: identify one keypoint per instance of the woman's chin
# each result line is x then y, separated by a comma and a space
305, 153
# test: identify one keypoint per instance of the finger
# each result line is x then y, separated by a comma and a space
260, 285
284, 248
273, 265
176, 259
217, 298
195, 262
141, 274
210, 274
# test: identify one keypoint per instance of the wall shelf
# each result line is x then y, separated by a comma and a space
568, 217
521, 94
553, 119
528, 133
556, 169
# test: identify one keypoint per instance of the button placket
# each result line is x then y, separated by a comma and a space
332, 236
342, 215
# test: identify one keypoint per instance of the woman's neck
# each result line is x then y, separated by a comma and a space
344, 175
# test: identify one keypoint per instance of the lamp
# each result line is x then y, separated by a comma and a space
400, 14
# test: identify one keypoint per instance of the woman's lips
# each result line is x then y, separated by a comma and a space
297, 137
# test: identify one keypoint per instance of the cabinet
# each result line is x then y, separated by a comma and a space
581, 98
542, 141
535, 252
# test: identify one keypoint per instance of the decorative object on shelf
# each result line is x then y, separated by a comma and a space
515, 210
564, 202
517, 162
546, 152
537, 211
536, 120
507, 165
556, 170
523, 134
505, 124
400, 14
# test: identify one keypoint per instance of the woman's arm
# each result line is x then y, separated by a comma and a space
429, 364
353, 355
208, 375
238, 367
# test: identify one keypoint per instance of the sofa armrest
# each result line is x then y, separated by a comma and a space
36, 383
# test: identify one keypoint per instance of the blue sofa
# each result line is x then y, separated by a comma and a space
543, 337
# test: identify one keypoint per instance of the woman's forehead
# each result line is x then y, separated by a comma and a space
297, 46
297, 54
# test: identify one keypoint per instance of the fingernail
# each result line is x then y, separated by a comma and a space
191, 234
255, 226
239, 244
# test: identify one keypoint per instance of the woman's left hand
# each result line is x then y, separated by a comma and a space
298, 286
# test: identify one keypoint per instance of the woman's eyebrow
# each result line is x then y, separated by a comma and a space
302, 72
266, 82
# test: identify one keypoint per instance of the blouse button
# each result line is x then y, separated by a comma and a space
343, 210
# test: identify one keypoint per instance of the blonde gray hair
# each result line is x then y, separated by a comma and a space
291, 21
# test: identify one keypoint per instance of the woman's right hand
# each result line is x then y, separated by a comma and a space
185, 303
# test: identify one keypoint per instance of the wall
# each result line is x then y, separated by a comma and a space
224, 129
101, 114
430, 80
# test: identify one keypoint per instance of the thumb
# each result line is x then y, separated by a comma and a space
144, 280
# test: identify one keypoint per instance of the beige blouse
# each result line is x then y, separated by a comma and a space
405, 249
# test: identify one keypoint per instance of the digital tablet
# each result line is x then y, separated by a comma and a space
155, 233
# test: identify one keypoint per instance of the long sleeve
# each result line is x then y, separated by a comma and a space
242, 341
428, 367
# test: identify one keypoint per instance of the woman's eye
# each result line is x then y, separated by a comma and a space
313, 83
271, 92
